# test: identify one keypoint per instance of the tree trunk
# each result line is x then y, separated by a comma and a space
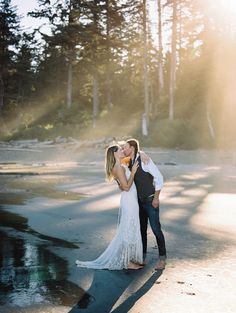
160, 45
108, 86
145, 72
1, 92
180, 33
71, 54
69, 86
209, 121
173, 62
95, 99
151, 101
108, 66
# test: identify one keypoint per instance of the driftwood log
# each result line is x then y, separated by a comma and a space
67, 143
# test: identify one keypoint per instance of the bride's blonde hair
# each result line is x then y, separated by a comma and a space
110, 161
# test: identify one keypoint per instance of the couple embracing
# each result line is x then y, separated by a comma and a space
140, 183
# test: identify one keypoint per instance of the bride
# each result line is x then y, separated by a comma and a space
125, 250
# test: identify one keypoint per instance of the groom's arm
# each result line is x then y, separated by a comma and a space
151, 168
157, 179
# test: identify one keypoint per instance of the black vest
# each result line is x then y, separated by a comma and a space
143, 181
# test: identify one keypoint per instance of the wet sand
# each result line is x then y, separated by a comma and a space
56, 207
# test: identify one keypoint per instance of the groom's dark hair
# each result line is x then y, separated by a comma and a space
134, 143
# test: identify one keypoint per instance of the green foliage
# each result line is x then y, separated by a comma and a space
177, 134
43, 132
163, 133
49, 85
9, 39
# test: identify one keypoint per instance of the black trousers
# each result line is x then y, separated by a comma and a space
148, 212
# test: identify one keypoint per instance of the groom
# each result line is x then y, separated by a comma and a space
148, 181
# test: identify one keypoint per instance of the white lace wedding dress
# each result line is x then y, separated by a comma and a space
126, 246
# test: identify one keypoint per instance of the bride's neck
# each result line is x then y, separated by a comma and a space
118, 160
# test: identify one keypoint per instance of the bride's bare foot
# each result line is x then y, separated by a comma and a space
161, 265
144, 263
134, 266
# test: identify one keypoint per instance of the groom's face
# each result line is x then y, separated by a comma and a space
127, 149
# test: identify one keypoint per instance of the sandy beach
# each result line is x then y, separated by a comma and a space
56, 207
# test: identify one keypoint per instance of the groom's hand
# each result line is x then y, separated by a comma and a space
155, 202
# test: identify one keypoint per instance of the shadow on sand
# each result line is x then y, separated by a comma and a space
110, 286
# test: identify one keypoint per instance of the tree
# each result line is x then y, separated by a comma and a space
94, 48
114, 22
145, 121
173, 60
104, 41
108, 48
9, 38
160, 48
67, 31
24, 67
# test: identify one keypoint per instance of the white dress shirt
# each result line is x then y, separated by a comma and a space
151, 168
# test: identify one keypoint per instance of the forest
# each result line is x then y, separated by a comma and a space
163, 71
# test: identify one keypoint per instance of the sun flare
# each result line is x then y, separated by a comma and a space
226, 7
231, 4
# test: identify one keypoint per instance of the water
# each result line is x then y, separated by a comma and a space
30, 274
32, 277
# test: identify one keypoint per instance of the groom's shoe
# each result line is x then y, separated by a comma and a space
160, 265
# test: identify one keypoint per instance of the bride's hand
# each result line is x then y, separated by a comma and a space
134, 168
144, 157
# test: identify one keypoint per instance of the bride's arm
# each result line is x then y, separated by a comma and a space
119, 174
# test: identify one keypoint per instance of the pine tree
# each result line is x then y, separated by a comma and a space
24, 68
9, 39
67, 33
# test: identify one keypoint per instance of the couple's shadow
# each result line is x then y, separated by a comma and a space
109, 287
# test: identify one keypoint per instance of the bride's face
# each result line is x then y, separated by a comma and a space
119, 153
